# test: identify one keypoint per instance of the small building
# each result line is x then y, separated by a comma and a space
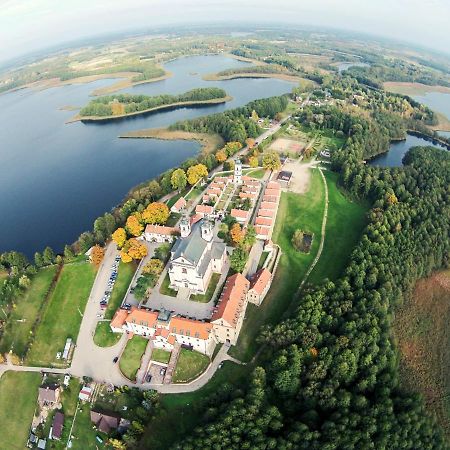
49, 395
237, 176
284, 178
105, 421
160, 233
272, 193
266, 213
179, 205
141, 321
268, 205
42, 443
85, 394
262, 232
240, 215
118, 321
263, 221
204, 210
229, 313
57, 425
259, 286
67, 348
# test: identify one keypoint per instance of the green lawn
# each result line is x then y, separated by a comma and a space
104, 337
165, 289
303, 211
174, 199
125, 273
206, 297
262, 260
345, 223
194, 193
160, 355
61, 316
18, 395
173, 219
190, 365
130, 361
181, 413
84, 433
257, 173
19, 325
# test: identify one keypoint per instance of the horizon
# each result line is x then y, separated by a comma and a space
50, 34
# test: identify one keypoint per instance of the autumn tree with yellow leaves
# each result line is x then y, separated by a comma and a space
133, 249
237, 234
196, 172
97, 254
119, 237
134, 225
156, 212
221, 156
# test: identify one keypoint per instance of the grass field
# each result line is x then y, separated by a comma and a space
302, 211
20, 323
180, 413
256, 173
84, 433
345, 223
18, 394
61, 317
104, 337
165, 289
130, 361
160, 355
125, 273
422, 335
206, 297
190, 365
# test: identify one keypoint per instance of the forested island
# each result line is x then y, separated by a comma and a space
122, 105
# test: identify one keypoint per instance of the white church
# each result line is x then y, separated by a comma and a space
195, 256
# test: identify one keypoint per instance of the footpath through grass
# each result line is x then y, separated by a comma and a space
61, 317
130, 361
18, 395
17, 332
104, 337
190, 365
296, 211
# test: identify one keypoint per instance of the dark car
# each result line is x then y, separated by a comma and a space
115, 359
148, 378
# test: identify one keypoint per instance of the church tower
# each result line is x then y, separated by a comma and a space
237, 179
185, 227
207, 228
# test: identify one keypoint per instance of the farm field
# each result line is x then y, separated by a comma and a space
61, 317
19, 326
422, 334
16, 410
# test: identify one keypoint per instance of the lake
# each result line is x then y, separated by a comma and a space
437, 101
56, 178
393, 158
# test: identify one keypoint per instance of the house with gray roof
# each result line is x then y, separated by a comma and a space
195, 256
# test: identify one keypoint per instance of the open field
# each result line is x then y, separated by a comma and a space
18, 394
413, 88
421, 330
61, 317
130, 360
345, 223
84, 432
209, 142
104, 337
190, 365
214, 101
125, 273
17, 332
288, 146
302, 211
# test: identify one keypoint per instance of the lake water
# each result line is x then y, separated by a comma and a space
56, 178
437, 101
393, 158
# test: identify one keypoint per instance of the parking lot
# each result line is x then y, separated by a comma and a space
156, 372
110, 285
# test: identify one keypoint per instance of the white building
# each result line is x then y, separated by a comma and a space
195, 256
237, 178
159, 233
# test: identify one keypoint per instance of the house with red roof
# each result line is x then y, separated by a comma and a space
259, 286
240, 215
160, 233
204, 210
179, 205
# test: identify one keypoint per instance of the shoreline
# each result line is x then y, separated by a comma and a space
280, 76
214, 101
208, 142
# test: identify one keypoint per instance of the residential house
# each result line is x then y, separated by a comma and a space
141, 321
229, 313
240, 215
118, 321
57, 425
204, 210
179, 205
105, 421
49, 395
259, 286
195, 256
159, 233
284, 178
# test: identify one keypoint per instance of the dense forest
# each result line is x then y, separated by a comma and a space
235, 124
128, 103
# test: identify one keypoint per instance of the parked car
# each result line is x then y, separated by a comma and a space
148, 378
116, 358
162, 371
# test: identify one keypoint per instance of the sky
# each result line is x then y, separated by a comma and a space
30, 25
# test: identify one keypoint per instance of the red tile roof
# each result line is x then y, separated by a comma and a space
273, 185
204, 209
270, 198
273, 192
263, 221
266, 213
119, 318
160, 229
260, 280
262, 231
267, 205
239, 213
188, 327
232, 299
142, 317
179, 204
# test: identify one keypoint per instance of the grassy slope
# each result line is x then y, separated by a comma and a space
17, 334
130, 361
104, 337
189, 366
18, 394
160, 355
61, 317
422, 334
125, 273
